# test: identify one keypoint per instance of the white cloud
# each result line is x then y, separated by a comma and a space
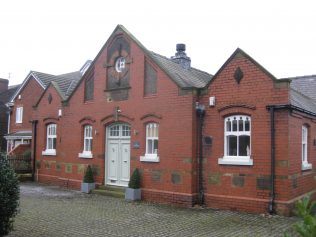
58, 36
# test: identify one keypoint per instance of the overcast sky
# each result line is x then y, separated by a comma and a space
58, 36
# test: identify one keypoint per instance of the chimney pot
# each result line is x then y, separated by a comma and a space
181, 57
180, 47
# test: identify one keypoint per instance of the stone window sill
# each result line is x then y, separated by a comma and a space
85, 155
235, 161
150, 158
307, 166
49, 153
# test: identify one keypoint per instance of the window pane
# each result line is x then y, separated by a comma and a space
247, 125
88, 131
235, 125
151, 130
232, 145
126, 131
149, 146
114, 131
244, 145
155, 147
155, 134
54, 143
240, 124
88, 144
49, 143
228, 125
304, 153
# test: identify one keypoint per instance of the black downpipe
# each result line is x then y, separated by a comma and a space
272, 196
200, 111
34, 127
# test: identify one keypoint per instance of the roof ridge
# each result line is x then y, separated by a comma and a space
70, 85
42, 73
298, 77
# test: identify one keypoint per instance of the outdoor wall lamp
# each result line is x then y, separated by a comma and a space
200, 109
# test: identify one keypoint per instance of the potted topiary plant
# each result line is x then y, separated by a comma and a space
88, 183
133, 192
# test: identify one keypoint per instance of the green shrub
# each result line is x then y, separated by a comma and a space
27, 153
135, 180
307, 225
9, 196
88, 177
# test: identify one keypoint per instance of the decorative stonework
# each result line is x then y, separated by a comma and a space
117, 65
156, 176
68, 168
238, 75
263, 183
58, 166
81, 168
214, 178
176, 178
238, 181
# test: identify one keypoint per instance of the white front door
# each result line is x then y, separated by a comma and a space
118, 154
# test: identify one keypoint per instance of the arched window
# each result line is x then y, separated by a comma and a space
87, 142
51, 138
152, 135
305, 164
237, 143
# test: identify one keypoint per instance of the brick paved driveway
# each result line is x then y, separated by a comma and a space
50, 211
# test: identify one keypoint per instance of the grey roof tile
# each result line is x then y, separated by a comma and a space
6, 95
185, 78
66, 82
303, 92
305, 84
302, 101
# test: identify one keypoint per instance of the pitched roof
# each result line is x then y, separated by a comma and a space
303, 92
66, 82
185, 78
305, 85
240, 52
6, 95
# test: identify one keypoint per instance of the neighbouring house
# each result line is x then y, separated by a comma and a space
25, 97
5, 94
240, 139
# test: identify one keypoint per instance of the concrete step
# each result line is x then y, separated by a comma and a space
25, 177
112, 191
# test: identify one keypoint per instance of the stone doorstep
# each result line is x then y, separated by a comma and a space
112, 191
25, 177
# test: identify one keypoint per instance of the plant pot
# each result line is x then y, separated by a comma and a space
132, 194
87, 187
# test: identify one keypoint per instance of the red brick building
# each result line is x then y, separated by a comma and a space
241, 139
25, 97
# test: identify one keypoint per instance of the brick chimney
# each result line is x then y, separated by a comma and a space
181, 57
3, 85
